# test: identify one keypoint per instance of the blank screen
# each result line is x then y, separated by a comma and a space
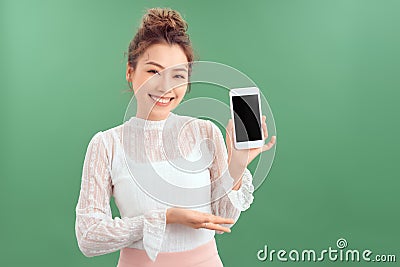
247, 118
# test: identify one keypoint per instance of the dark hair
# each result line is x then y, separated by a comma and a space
161, 25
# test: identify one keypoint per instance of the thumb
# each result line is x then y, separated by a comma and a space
229, 139
229, 131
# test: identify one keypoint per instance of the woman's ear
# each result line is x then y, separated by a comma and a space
129, 72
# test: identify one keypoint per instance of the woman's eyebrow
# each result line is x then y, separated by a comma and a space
154, 63
158, 65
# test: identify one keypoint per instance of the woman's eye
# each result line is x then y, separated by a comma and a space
180, 77
153, 71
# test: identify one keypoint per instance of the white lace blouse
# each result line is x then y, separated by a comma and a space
140, 163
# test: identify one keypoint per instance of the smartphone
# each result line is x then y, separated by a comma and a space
246, 116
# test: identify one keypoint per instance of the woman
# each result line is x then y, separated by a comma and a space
151, 232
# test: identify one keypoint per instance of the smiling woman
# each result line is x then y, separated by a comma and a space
160, 42
170, 63
150, 231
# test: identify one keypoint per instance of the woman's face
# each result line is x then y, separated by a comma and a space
159, 88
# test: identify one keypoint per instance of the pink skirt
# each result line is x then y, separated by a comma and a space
203, 256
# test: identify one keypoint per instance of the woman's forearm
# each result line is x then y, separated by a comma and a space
236, 172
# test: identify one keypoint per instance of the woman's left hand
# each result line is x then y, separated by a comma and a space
242, 157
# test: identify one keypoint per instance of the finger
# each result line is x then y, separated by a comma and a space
270, 144
264, 126
221, 220
230, 124
208, 217
216, 227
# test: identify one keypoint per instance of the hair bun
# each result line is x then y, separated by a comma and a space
164, 18
158, 26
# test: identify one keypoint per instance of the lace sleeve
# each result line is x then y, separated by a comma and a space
96, 231
227, 202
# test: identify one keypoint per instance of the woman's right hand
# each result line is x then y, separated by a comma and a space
197, 219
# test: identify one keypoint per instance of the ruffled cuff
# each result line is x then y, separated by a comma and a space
153, 231
243, 197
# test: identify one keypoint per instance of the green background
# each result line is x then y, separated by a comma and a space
329, 69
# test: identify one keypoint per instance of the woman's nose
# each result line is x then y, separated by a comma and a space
165, 83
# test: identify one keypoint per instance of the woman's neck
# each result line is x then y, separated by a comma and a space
151, 116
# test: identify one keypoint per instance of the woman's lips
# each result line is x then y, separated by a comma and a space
161, 101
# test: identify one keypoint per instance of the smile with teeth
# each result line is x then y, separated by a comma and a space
163, 100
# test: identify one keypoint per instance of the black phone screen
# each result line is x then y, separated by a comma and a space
247, 118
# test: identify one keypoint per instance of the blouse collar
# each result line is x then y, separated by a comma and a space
149, 124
